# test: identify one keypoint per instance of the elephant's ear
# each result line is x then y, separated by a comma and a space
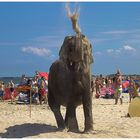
87, 50
89, 54
91, 60
63, 53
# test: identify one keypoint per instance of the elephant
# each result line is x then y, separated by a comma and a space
69, 83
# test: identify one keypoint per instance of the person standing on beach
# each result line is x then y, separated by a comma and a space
2, 87
42, 91
109, 82
23, 80
35, 93
118, 87
12, 91
98, 87
132, 89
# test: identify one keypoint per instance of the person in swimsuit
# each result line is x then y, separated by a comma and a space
118, 87
132, 89
98, 87
12, 91
2, 87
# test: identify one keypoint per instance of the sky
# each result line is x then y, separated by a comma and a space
31, 35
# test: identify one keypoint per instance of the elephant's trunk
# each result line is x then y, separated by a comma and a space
79, 46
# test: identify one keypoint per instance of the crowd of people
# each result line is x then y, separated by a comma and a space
10, 86
29, 89
116, 84
35, 89
102, 82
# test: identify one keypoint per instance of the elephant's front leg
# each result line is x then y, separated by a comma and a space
56, 110
70, 118
87, 106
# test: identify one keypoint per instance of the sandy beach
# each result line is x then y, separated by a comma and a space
109, 121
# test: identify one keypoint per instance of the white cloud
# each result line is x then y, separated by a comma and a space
115, 32
114, 52
36, 51
129, 48
119, 32
122, 50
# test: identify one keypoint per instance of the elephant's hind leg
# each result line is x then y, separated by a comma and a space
70, 118
56, 110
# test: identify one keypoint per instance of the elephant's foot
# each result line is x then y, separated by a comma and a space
88, 129
74, 130
91, 132
73, 125
88, 125
61, 126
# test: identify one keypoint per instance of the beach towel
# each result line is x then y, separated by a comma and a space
107, 92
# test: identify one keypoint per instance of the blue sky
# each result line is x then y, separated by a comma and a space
31, 34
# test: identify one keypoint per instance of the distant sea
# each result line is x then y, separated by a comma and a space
6, 80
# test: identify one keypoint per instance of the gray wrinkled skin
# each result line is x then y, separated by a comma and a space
69, 83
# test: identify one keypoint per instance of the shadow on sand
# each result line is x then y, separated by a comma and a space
26, 130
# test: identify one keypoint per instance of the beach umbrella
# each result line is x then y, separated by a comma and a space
125, 84
43, 74
134, 107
